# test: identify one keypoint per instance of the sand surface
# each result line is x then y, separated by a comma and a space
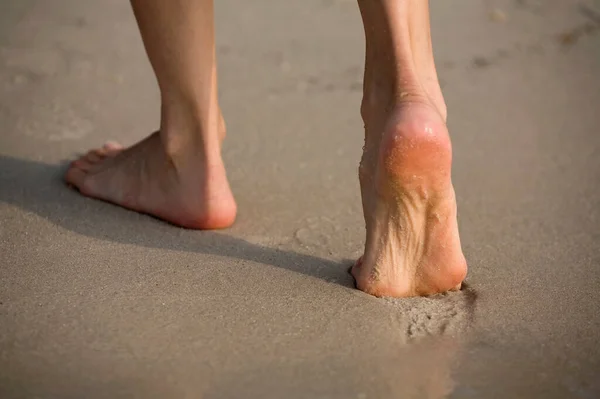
100, 302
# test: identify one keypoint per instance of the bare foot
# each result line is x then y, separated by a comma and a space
189, 189
412, 245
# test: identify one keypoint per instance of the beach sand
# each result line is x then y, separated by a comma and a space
100, 302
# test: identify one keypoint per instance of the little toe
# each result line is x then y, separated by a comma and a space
352, 270
359, 261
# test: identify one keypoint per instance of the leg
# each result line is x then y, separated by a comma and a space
177, 173
412, 243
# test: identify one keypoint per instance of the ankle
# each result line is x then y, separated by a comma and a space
381, 97
187, 130
403, 75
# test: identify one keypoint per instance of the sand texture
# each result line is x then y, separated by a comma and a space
100, 302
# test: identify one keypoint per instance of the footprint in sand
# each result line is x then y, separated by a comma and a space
316, 234
443, 314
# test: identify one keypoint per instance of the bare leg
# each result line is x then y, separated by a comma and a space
412, 243
177, 173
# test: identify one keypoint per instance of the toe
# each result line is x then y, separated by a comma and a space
353, 269
75, 175
94, 156
112, 145
100, 152
359, 261
356, 265
112, 148
82, 164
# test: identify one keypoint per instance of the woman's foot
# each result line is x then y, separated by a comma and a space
412, 245
176, 174
187, 187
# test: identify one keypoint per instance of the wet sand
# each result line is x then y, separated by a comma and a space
100, 302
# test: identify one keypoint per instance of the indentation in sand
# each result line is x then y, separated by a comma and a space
443, 314
316, 233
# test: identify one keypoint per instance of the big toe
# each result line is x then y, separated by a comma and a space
77, 172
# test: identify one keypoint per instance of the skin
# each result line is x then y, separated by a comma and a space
177, 174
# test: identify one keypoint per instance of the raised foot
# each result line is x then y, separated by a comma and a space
412, 246
189, 190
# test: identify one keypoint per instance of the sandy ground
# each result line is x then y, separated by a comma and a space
99, 302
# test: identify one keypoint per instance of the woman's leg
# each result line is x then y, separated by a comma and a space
412, 243
177, 173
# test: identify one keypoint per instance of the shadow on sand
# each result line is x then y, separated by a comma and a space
39, 188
